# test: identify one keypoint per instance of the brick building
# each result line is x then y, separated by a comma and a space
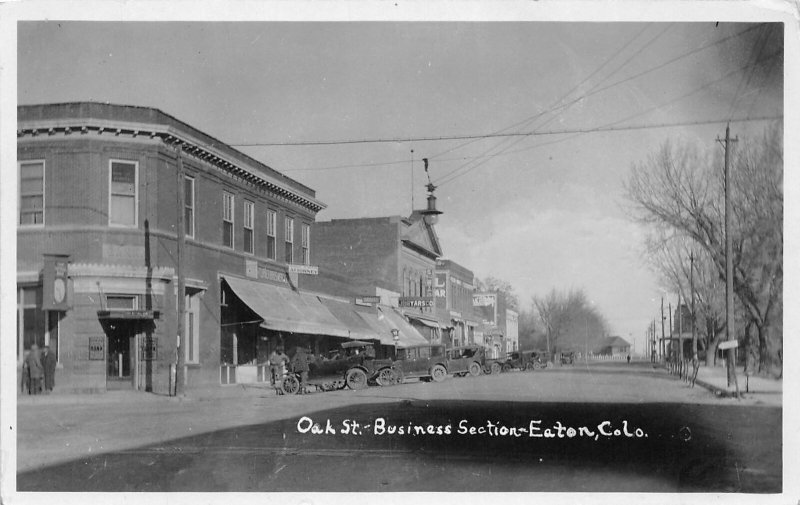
453, 298
392, 258
97, 245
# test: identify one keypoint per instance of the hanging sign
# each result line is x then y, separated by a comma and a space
303, 269
54, 278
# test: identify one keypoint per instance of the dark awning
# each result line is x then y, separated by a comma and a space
286, 310
430, 323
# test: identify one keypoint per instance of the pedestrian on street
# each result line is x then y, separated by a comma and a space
49, 364
300, 365
277, 362
629, 359
35, 369
25, 385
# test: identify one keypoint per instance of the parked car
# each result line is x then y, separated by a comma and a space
353, 365
426, 361
568, 358
466, 359
525, 360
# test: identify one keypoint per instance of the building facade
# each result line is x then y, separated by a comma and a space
392, 258
453, 290
97, 246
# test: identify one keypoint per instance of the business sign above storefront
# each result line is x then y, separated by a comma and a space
303, 269
368, 301
416, 302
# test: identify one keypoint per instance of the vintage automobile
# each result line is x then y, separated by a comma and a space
525, 360
352, 365
568, 358
466, 360
425, 361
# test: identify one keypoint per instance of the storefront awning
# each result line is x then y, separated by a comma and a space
390, 319
286, 310
349, 317
427, 322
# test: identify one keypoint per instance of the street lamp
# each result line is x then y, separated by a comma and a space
395, 336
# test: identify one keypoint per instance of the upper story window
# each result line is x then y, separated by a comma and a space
188, 206
289, 238
227, 219
123, 193
31, 193
249, 210
272, 224
306, 244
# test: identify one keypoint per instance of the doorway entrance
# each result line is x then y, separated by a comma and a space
120, 359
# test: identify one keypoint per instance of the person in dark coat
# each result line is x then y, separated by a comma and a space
35, 369
25, 386
49, 364
300, 365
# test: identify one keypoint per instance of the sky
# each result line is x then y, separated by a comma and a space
541, 211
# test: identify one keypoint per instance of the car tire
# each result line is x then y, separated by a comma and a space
290, 385
506, 367
386, 377
474, 369
356, 379
438, 373
495, 368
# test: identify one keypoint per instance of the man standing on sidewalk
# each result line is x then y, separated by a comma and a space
35, 369
49, 364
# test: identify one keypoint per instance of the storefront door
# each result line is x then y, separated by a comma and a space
121, 355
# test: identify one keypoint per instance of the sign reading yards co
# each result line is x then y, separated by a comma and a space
416, 302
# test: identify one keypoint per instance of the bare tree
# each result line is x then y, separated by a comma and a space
494, 284
681, 188
570, 320
668, 255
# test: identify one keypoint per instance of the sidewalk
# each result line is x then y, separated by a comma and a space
122, 396
764, 389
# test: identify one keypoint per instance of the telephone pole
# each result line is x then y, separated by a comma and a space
661, 347
181, 298
730, 334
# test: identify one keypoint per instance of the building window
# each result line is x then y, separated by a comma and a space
192, 329
272, 224
188, 206
306, 244
122, 302
31, 193
248, 226
227, 219
123, 188
289, 238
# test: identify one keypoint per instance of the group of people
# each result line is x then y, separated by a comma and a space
39, 371
279, 364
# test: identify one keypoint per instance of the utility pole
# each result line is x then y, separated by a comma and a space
691, 290
181, 298
662, 328
680, 335
729, 316
412, 181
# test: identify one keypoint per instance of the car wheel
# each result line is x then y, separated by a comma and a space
496, 368
356, 378
290, 385
386, 377
506, 367
530, 367
438, 373
474, 369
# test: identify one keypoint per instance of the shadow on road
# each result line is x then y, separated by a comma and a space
677, 448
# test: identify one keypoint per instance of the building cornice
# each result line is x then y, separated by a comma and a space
171, 137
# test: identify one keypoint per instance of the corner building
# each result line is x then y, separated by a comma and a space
97, 248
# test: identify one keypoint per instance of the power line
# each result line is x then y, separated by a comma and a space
500, 132
642, 127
